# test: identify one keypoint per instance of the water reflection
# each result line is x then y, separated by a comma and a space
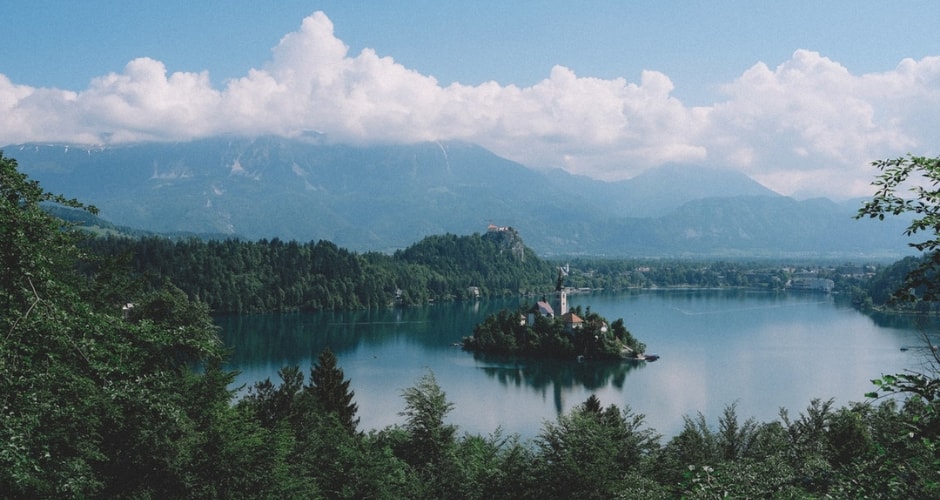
557, 376
265, 338
905, 321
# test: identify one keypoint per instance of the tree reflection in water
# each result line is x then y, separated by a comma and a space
557, 375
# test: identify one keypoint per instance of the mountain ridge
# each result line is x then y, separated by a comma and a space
385, 197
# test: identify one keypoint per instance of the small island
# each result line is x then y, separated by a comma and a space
537, 331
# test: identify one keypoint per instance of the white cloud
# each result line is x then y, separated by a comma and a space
809, 125
602, 128
806, 126
143, 103
312, 84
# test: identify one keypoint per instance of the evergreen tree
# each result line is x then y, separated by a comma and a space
331, 392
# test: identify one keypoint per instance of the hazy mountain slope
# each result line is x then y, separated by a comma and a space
644, 194
657, 191
766, 226
388, 197
376, 197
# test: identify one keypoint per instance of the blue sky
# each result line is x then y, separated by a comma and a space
799, 95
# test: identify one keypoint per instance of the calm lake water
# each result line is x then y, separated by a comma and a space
762, 350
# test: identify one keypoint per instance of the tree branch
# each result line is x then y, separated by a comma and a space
29, 310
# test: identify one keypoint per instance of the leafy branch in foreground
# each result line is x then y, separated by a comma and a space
920, 176
921, 286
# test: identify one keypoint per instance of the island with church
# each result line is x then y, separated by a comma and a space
547, 330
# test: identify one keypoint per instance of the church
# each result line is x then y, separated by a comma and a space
543, 308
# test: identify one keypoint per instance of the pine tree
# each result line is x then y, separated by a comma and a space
331, 392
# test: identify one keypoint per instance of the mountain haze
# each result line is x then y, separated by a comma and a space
385, 197
659, 190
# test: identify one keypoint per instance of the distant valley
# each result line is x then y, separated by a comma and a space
387, 197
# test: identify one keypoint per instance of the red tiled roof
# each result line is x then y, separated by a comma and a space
570, 317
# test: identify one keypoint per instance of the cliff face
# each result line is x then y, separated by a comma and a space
508, 240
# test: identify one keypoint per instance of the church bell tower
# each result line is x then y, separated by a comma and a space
561, 296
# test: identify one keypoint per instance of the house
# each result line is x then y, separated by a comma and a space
541, 308
572, 322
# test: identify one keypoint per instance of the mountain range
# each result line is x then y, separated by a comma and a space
386, 197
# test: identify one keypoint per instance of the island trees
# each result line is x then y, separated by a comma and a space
521, 332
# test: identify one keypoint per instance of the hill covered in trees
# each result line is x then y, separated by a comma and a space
908, 285
234, 276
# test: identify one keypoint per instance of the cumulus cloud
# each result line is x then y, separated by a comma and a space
807, 126
809, 122
143, 103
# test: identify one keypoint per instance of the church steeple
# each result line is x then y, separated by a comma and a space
561, 296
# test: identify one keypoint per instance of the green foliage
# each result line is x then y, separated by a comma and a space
234, 276
36, 249
497, 262
494, 466
426, 407
92, 403
589, 452
919, 176
275, 405
697, 445
892, 288
826, 452
920, 290
330, 392
646, 273
524, 332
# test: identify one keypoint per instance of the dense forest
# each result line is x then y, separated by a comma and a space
233, 276
99, 399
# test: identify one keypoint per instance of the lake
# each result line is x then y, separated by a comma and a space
761, 350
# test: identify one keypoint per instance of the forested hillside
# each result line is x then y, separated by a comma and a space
881, 290
234, 276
